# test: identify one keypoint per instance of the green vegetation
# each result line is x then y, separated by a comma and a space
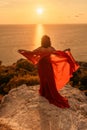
22, 72
79, 78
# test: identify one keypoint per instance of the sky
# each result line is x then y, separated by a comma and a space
53, 11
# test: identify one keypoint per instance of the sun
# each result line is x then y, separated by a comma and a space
39, 11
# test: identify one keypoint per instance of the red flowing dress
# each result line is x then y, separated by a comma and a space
55, 69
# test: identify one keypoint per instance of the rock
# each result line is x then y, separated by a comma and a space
24, 109
1, 96
4, 127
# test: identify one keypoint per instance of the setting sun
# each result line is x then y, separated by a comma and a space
43, 12
39, 11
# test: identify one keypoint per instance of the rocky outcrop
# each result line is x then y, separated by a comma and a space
24, 109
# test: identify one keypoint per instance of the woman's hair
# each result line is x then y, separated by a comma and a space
45, 41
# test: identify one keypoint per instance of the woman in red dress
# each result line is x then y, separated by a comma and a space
55, 69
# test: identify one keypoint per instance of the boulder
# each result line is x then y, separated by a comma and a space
24, 109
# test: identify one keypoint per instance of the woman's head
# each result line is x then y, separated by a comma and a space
45, 41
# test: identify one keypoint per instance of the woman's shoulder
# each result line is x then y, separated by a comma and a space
43, 49
52, 48
37, 49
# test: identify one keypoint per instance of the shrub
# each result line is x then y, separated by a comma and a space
22, 63
17, 81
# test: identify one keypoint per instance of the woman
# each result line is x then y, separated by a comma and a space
55, 69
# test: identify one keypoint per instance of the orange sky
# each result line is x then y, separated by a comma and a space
54, 11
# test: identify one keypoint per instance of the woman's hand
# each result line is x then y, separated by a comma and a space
68, 49
21, 50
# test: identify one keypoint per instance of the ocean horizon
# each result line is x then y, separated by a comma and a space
28, 36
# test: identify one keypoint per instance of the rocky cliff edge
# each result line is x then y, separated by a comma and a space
24, 109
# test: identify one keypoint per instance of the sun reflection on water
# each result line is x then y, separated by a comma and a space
39, 32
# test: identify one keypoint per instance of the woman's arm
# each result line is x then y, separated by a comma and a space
22, 50
37, 49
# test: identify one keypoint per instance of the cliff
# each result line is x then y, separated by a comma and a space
24, 109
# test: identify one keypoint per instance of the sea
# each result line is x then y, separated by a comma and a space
28, 37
